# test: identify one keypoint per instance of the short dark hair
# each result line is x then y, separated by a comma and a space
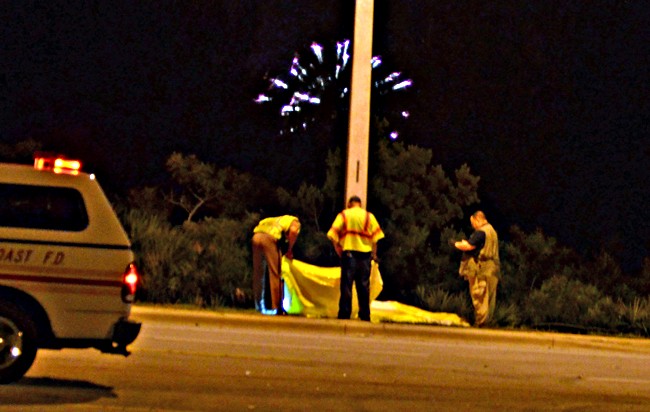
355, 198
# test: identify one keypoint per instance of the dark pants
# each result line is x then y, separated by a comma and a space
355, 267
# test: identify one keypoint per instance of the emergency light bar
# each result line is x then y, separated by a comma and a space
56, 164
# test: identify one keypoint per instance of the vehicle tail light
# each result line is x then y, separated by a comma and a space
130, 281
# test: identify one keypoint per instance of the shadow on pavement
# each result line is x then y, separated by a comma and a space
50, 391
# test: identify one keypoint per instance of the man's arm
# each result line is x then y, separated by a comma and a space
476, 241
294, 230
464, 245
333, 234
338, 248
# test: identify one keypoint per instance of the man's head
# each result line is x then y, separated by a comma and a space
478, 219
354, 201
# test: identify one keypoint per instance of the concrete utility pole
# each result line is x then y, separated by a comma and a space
356, 181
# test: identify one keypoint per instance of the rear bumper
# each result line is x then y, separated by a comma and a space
124, 333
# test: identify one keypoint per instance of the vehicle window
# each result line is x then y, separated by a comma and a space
42, 207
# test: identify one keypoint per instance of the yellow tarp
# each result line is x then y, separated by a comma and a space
313, 291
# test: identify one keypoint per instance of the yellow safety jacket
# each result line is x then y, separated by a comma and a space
275, 226
355, 229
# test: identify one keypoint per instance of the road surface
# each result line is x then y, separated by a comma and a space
198, 361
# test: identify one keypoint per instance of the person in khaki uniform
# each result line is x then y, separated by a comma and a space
267, 236
480, 266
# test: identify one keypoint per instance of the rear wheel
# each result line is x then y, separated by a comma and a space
17, 342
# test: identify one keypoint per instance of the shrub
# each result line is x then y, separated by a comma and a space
561, 302
636, 317
528, 260
161, 253
506, 315
439, 300
205, 263
221, 260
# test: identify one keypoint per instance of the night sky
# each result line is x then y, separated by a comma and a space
545, 100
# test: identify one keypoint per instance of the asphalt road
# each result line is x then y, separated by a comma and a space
199, 361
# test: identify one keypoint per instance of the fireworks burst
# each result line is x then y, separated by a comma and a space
317, 86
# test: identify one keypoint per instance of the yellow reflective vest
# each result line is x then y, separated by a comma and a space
275, 226
355, 229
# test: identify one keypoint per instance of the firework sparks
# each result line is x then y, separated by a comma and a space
319, 77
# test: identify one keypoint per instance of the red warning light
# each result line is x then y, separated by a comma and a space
56, 164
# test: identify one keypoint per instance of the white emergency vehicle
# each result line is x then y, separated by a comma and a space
67, 277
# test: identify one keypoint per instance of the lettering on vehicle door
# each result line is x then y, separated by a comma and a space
27, 256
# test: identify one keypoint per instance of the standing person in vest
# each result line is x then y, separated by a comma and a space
354, 234
267, 237
480, 266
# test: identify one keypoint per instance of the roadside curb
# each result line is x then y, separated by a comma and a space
549, 340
